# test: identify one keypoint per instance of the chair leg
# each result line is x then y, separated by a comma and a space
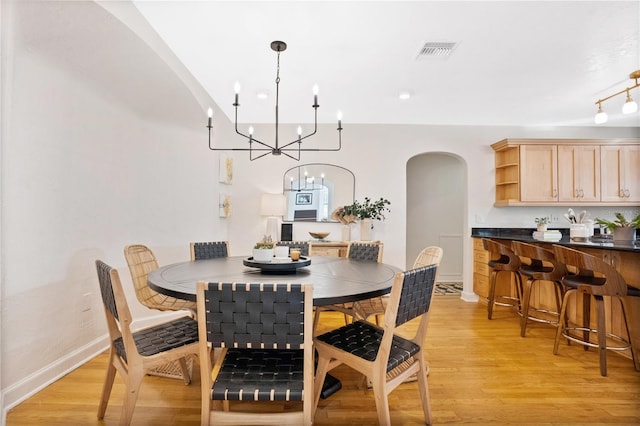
423, 387
586, 318
321, 373
186, 374
134, 380
492, 293
634, 355
382, 400
524, 302
562, 320
602, 335
106, 388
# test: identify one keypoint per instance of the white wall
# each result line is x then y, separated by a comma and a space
103, 145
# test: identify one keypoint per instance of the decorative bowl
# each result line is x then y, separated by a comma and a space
319, 235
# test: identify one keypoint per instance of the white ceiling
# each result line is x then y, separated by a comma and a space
523, 63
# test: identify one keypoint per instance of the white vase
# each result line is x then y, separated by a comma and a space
365, 230
263, 255
346, 233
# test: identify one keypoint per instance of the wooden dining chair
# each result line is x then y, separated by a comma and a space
364, 309
383, 356
141, 261
208, 250
359, 251
264, 335
134, 354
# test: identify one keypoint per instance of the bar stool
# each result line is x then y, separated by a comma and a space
502, 259
539, 265
594, 279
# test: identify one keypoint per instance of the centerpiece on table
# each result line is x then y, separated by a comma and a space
264, 249
367, 212
622, 229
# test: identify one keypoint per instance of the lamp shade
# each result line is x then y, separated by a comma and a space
272, 205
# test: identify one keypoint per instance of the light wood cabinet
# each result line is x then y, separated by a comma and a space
566, 172
333, 248
620, 173
578, 173
538, 173
480, 269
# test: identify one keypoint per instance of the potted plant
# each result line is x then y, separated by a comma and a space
542, 223
366, 212
264, 249
622, 229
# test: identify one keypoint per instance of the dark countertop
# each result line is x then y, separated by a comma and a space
524, 235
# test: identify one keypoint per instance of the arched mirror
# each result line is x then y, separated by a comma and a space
314, 190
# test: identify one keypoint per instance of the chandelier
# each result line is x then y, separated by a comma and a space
257, 148
629, 106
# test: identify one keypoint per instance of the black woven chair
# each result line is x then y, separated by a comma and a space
302, 245
385, 358
135, 354
365, 252
264, 331
209, 250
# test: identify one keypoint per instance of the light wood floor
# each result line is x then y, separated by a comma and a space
482, 372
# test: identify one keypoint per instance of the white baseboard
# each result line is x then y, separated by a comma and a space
27, 387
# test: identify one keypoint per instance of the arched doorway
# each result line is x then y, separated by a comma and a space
436, 200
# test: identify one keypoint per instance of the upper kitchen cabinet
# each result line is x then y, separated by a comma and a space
579, 173
620, 173
567, 172
538, 173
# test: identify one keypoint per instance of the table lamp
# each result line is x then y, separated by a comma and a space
272, 206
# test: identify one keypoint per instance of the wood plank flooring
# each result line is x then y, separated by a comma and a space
482, 372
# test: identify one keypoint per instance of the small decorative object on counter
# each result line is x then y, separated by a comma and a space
622, 229
541, 223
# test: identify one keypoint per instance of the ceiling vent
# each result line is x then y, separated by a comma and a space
436, 50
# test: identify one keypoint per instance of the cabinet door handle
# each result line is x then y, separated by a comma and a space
581, 193
627, 193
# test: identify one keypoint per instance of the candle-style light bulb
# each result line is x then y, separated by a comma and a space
315, 95
299, 132
210, 115
339, 119
250, 130
322, 176
236, 89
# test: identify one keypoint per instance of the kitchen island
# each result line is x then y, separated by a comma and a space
624, 256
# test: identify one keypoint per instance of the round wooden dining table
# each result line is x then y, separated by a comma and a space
335, 279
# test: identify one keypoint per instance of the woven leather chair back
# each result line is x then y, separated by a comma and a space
371, 252
209, 250
255, 315
302, 245
417, 291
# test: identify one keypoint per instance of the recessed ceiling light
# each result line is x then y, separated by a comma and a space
404, 95
262, 94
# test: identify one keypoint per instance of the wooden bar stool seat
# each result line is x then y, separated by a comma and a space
502, 259
539, 266
595, 279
